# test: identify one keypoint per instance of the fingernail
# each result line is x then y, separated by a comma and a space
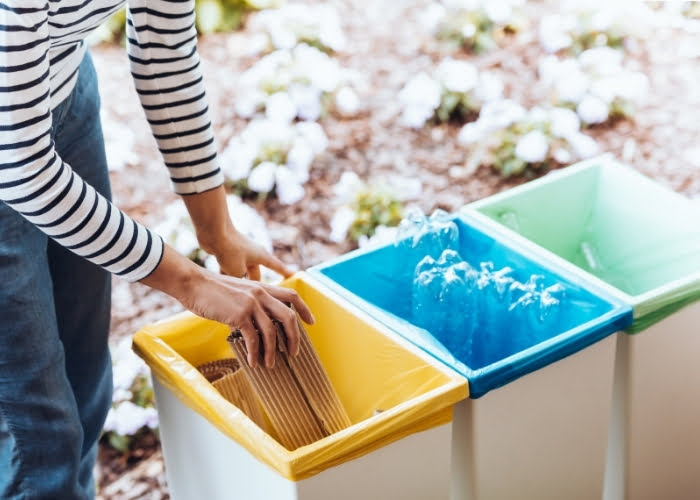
271, 363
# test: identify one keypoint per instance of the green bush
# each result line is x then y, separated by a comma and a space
374, 207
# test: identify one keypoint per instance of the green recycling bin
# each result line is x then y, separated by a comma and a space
628, 234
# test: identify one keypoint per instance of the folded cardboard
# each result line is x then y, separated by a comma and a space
214, 370
297, 396
227, 378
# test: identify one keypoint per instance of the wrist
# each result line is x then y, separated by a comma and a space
175, 275
211, 220
215, 240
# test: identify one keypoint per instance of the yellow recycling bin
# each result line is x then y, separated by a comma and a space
398, 398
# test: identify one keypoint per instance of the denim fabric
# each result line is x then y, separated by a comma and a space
55, 370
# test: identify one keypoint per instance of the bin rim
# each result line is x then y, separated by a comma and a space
433, 406
506, 370
552, 176
643, 304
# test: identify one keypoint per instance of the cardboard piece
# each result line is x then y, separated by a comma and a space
227, 378
297, 395
214, 370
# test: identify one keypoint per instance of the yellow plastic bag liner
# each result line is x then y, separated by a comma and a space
389, 388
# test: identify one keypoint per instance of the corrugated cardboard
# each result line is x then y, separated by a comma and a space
296, 394
227, 378
214, 370
314, 380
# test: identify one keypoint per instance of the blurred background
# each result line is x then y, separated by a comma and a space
335, 118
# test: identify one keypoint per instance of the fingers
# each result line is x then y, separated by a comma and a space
239, 268
288, 318
289, 296
252, 342
259, 325
268, 332
254, 273
258, 306
303, 310
272, 262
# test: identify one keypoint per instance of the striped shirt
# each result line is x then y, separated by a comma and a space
41, 47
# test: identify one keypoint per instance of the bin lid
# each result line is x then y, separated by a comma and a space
611, 225
377, 281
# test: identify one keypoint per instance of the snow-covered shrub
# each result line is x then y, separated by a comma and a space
595, 84
302, 82
456, 90
133, 402
293, 23
584, 25
511, 139
475, 25
273, 156
691, 10
365, 208
226, 15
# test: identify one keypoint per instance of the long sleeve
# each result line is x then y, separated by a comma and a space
34, 180
162, 43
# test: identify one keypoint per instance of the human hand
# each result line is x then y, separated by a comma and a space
239, 303
239, 256
236, 254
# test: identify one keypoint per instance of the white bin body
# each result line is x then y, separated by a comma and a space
541, 437
203, 463
658, 412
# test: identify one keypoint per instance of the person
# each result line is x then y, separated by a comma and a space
60, 236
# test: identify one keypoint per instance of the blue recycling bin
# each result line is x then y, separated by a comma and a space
535, 425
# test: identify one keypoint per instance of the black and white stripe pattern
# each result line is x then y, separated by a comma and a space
41, 47
165, 66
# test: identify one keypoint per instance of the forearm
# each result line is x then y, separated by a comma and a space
236, 254
209, 213
175, 275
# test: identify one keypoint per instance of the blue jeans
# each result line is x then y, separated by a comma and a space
55, 369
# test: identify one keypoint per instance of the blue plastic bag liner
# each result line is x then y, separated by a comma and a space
490, 312
615, 226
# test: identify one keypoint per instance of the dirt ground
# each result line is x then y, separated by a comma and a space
387, 47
